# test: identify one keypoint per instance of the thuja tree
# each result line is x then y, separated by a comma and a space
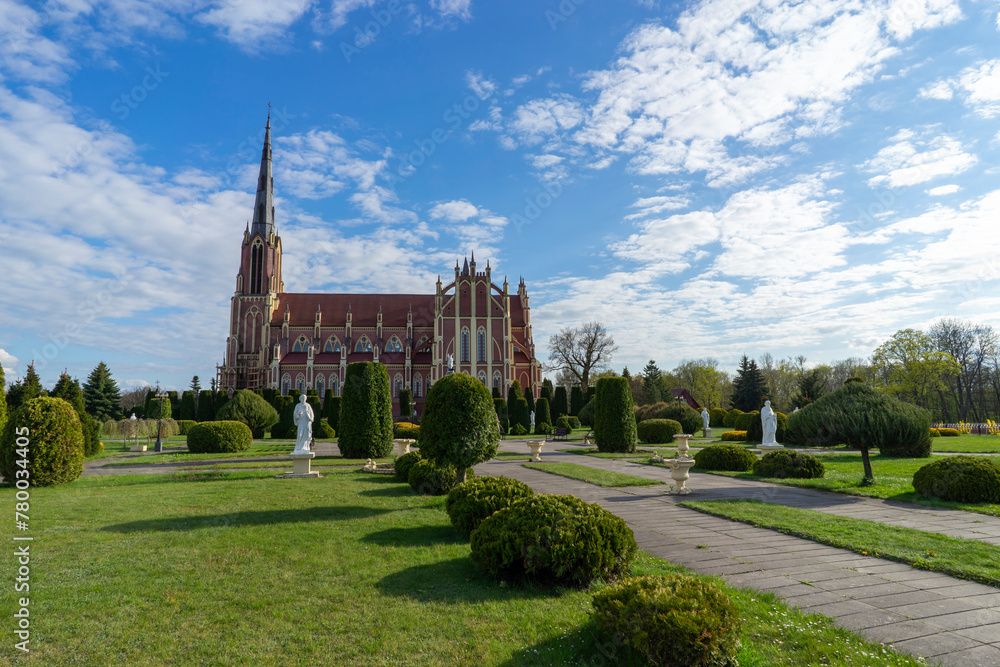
331, 411
251, 409
405, 403
459, 423
559, 405
576, 401
513, 394
68, 389
206, 406
500, 406
530, 398
365, 424
862, 418
614, 416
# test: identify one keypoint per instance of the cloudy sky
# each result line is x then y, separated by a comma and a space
707, 178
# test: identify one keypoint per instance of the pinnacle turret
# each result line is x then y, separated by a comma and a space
263, 206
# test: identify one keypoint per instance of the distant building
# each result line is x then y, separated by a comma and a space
686, 397
285, 340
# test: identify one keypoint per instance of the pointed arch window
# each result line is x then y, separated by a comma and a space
301, 345
364, 345
256, 266
465, 345
424, 345
332, 345
418, 386
481, 344
394, 345
335, 385
482, 377
286, 384
397, 385
300, 383
497, 382
320, 385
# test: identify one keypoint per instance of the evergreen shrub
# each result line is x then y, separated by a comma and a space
250, 408
560, 406
674, 620
576, 400
564, 422
184, 425
459, 424
206, 409
521, 417
734, 436
788, 464
755, 429
322, 431
689, 418
746, 420
404, 463
331, 411
725, 457
586, 415
519, 429
574, 421
658, 431
614, 419
962, 479
949, 432
188, 411
219, 436
543, 420
500, 407
406, 431
729, 421
285, 428
431, 479
716, 417
935, 433
365, 424
469, 504
55, 442
159, 409
553, 540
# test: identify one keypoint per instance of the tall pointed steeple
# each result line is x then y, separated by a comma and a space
263, 206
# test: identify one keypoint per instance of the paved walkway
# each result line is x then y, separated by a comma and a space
949, 621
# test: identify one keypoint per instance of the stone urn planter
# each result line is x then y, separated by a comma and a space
682, 445
536, 449
680, 471
403, 446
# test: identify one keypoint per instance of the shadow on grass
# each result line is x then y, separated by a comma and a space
416, 536
583, 645
260, 518
384, 491
456, 581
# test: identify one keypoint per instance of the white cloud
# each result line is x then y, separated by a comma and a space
981, 86
454, 211
538, 119
942, 190
24, 52
483, 87
453, 8
8, 362
939, 90
652, 205
911, 160
253, 24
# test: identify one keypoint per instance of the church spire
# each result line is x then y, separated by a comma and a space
263, 206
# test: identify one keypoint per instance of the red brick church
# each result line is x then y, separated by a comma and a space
286, 340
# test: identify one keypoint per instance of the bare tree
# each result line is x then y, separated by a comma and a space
581, 352
971, 345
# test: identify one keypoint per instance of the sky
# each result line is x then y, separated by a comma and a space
708, 179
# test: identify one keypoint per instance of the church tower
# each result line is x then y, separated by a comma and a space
257, 286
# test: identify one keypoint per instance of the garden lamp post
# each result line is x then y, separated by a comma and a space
133, 430
159, 420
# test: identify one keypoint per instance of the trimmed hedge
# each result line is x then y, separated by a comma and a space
716, 417
935, 433
500, 407
55, 442
586, 415
689, 418
725, 457
862, 418
331, 410
459, 423
614, 420
657, 431
576, 400
219, 436
731, 436
564, 422
520, 417
543, 420
949, 432
184, 425
788, 464
675, 620
553, 540
560, 404
285, 428
366, 412
251, 409
755, 430
746, 420
404, 463
962, 479
406, 431
322, 430
729, 421
430, 479
469, 504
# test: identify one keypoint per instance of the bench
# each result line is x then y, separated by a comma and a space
560, 433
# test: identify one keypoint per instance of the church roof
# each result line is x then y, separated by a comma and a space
263, 206
364, 309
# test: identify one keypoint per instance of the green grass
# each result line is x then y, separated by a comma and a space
236, 568
513, 456
966, 559
893, 480
592, 475
639, 454
982, 444
258, 449
318, 462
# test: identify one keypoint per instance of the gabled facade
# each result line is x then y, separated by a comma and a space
285, 340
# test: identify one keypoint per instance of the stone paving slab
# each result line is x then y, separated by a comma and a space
884, 601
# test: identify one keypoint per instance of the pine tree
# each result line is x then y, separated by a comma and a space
101, 394
24, 390
195, 385
749, 386
812, 386
651, 384
68, 389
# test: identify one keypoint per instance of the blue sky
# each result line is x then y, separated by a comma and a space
707, 178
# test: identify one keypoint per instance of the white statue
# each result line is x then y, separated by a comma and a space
705, 418
303, 417
451, 363
769, 423
795, 410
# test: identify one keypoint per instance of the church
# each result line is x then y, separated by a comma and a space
284, 340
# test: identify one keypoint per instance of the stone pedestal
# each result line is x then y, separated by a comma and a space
301, 466
706, 432
770, 447
536, 449
403, 446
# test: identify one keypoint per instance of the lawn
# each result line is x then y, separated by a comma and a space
318, 462
982, 444
967, 559
893, 480
592, 475
258, 449
236, 568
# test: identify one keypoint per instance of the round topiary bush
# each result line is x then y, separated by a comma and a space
788, 464
729, 421
614, 419
430, 479
734, 436
404, 463
459, 424
717, 417
574, 421
184, 425
746, 420
365, 422
674, 620
322, 430
219, 436
250, 408
962, 479
469, 504
564, 422
587, 414
725, 457
51, 432
689, 419
553, 540
657, 431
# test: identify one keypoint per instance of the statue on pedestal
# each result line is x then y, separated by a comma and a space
705, 418
769, 423
303, 417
